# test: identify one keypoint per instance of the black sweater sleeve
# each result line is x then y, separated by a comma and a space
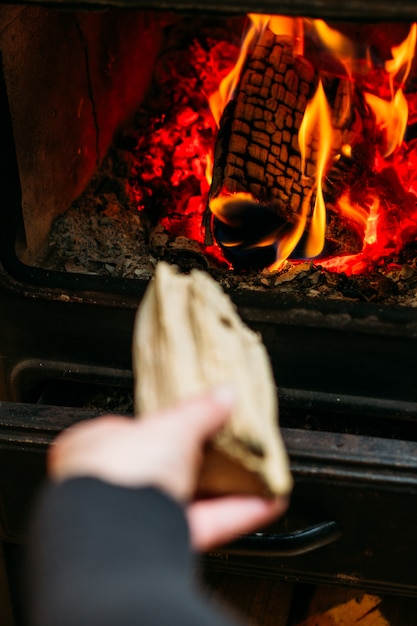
102, 555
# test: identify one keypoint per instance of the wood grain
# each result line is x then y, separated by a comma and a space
188, 338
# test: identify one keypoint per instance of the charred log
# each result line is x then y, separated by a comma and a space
257, 150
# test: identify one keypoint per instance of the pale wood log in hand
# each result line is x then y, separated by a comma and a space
188, 338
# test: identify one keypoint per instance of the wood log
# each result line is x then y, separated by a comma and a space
188, 338
257, 150
362, 610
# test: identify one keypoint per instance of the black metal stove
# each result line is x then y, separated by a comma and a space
346, 386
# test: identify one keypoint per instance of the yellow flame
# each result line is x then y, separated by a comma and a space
365, 218
223, 207
316, 126
288, 242
402, 58
355, 56
353, 211
391, 117
348, 53
208, 172
292, 27
337, 43
219, 206
219, 99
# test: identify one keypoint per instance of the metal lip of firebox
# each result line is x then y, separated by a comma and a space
359, 10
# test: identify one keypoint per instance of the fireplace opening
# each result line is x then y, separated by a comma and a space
103, 115
276, 152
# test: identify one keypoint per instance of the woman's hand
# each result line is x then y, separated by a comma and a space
164, 450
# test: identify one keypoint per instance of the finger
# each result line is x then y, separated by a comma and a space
82, 442
218, 521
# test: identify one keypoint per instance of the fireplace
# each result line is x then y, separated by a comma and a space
262, 148
342, 343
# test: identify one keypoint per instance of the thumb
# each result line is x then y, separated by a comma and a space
200, 418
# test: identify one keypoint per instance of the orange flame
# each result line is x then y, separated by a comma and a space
392, 116
353, 211
279, 25
220, 204
291, 26
364, 218
402, 58
287, 243
219, 99
350, 55
335, 41
317, 125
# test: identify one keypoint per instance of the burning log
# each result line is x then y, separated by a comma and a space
258, 149
187, 339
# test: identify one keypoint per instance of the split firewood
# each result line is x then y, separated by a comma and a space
257, 150
188, 338
364, 610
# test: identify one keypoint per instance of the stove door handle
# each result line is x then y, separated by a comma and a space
286, 544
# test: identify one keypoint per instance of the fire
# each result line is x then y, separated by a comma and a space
402, 58
316, 126
336, 42
390, 110
257, 23
391, 117
348, 144
371, 235
354, 212
219, 99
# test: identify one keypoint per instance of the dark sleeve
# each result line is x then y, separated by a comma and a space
102, 555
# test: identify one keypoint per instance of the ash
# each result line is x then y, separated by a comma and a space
116, 240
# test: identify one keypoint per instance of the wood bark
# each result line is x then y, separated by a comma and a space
257, 149
188, 338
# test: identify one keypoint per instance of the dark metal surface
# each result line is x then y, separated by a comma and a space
330, 9
367, 485
79, 328
286, 544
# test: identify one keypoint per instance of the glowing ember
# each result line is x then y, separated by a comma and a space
354, 156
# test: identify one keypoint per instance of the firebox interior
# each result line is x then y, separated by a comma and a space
64, 118
84, 133
344, 361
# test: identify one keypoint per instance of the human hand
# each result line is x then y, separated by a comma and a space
164, 450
